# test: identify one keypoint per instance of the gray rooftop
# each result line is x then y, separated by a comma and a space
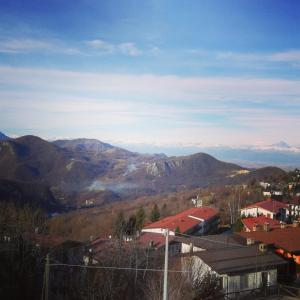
235, 259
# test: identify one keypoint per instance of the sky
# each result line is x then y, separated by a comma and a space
164, 73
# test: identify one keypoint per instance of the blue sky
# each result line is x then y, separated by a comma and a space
151, 72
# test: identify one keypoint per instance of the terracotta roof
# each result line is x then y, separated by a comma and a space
295, 201
286, 238
186, 219
157, 239
101, 244
269, 204
260, 220
47, 240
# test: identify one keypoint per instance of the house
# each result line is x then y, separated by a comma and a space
260, 222
270, 208
294, 207
284, 239
267, 194
97, 250
241, 269
208, 242
197, 202
193, 221
264, 185
157, 241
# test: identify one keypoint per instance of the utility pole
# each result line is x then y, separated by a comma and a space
47, 271
165, 295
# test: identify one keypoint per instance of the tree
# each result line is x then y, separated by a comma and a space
140, 218
131, 225
238, 225
120, 225
155, 214
164, 210
177, 230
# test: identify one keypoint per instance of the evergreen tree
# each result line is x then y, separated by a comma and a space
177, 230
131, 225
155, 214
140, 218
120, 225
238, 225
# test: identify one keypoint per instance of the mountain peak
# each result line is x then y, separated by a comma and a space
282, 144
3, 137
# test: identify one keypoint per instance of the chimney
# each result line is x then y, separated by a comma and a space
255, 226
295, 223
191, 247
282, 225
267, 226
250, 241
262, 247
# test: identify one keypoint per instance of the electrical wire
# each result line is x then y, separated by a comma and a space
212, 241
116, 268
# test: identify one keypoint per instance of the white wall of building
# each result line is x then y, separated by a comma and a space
157, 230
255, 211
188, 248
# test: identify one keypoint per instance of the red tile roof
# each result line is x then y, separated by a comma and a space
47, 240
186, 219
286, 238
260, 220
294, 201
157, 239
269, 204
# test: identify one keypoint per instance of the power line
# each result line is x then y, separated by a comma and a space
212, 241
116, 268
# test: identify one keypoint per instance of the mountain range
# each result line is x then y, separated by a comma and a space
84, 172
279, 154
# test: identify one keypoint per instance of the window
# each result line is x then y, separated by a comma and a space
264, 279
244, 282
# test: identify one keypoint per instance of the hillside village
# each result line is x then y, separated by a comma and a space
256, 254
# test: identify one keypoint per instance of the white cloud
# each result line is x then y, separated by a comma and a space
143, 108
129, 49
155, 87
26, 45
288, 56
292, 56
105, 47
92, 47
102, 45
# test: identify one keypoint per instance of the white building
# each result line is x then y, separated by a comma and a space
270, 208
194, 221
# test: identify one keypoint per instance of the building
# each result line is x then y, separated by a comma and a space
197, 202
294, 207
241, 269
209, 242
270, 208
157, 241
193, 221
98, 249
267, 194
264, 185
284, 239
259, 223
